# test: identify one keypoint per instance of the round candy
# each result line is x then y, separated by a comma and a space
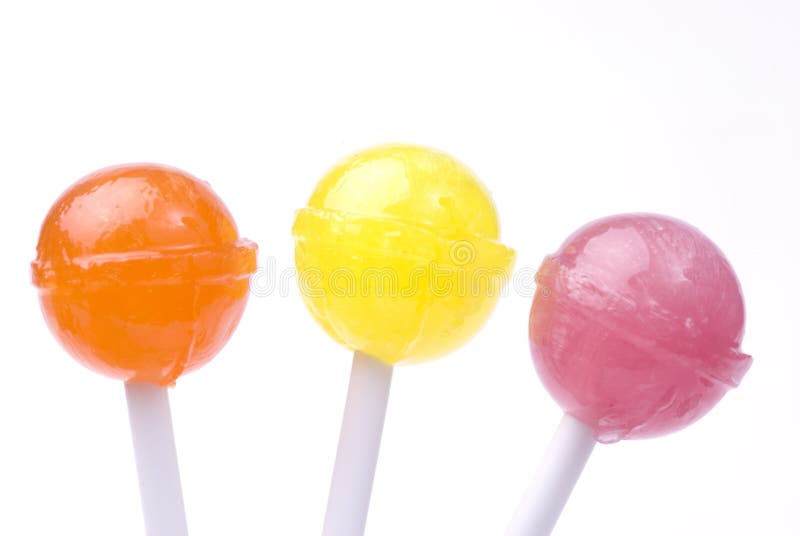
141, 272
398, 253
636, 325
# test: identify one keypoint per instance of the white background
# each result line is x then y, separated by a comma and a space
568, 111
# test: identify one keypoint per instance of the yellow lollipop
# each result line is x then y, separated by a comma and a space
398, 253
398, 258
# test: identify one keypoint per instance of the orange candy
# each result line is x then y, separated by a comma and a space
141, 272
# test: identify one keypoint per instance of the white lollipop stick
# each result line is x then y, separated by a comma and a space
557, 474
156, 460
359, 442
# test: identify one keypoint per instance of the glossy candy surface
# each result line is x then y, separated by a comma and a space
141, 272
398, 255
636, 326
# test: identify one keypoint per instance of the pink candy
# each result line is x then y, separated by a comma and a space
636, 325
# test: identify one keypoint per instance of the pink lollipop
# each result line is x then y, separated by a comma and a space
635, 331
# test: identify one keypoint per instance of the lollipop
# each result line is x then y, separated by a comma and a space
142, 277
635, 331
398, 258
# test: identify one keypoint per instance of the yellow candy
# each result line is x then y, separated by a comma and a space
398, 254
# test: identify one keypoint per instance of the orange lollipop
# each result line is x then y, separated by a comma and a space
141, 272
142, 277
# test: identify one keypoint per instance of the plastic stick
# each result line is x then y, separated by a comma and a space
558, 472
359, 442
156, 460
